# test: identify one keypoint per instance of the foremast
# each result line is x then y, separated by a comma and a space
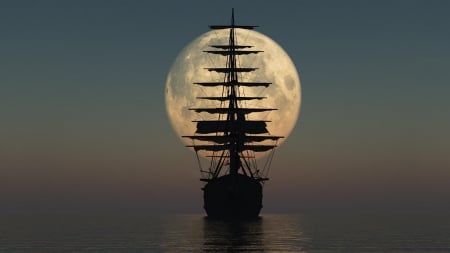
232, 137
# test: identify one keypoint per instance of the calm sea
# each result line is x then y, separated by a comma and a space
194, 233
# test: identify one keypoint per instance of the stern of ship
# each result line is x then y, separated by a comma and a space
233, 197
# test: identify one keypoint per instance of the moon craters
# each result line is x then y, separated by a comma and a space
274, 66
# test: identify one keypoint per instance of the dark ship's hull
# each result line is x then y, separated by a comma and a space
233, 197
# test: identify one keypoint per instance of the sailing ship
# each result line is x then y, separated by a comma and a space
234, 181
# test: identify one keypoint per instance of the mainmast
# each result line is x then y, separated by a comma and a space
232, 135
233, 116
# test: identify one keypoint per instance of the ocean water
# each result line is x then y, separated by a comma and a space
195, 233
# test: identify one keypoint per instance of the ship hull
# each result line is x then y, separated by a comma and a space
233, 197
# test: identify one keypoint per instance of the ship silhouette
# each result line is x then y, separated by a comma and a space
233, 182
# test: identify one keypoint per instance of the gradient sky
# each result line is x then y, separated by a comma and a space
84, 127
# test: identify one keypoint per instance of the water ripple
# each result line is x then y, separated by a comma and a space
194, 233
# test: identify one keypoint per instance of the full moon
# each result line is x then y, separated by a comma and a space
274, 66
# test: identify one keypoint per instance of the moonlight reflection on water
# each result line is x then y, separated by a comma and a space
195, 233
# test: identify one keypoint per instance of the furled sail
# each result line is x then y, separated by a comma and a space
236, 52
231, 46
220, 139
217, 27
236, 83
227, 98
221, 147
231, 70
221, 110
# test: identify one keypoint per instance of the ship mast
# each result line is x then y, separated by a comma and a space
233, 115
234, 135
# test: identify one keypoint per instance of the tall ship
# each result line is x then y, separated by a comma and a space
233, 179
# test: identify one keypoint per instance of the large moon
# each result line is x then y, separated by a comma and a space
274, 66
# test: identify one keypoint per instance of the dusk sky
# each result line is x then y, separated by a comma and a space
84, 125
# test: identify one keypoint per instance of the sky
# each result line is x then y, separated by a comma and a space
84, 126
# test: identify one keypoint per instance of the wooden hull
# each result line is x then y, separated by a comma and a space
233, 197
